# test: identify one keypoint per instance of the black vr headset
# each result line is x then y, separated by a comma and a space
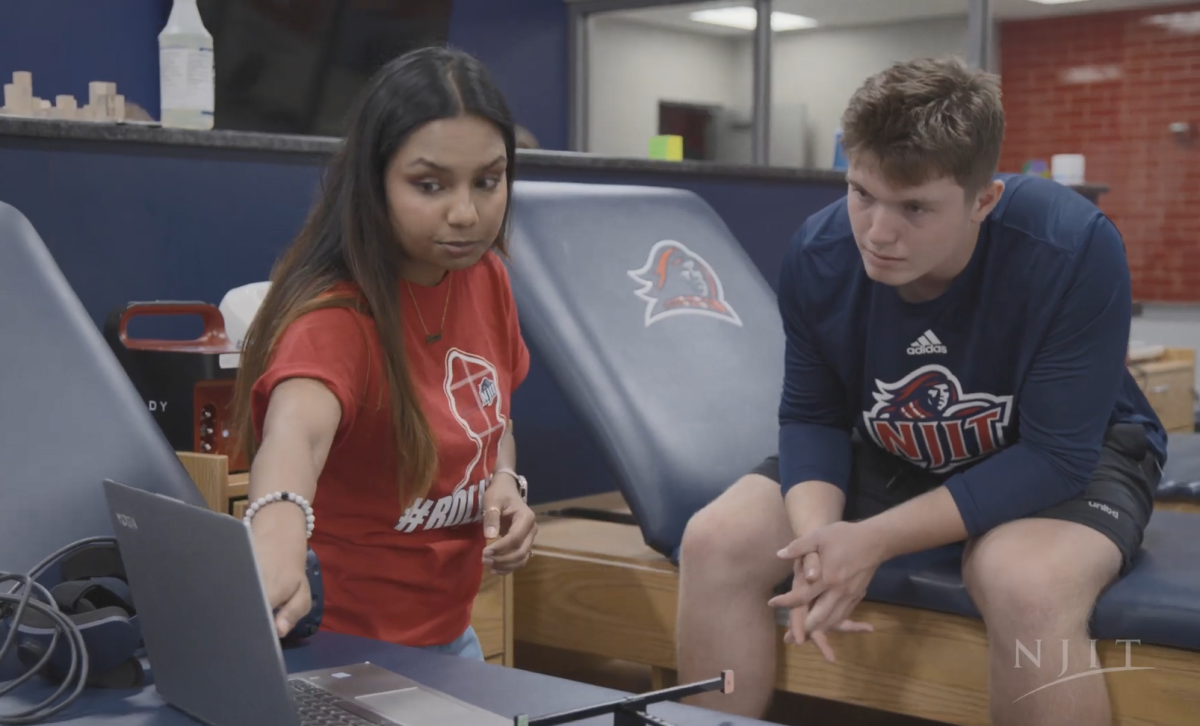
82, 586
72, 620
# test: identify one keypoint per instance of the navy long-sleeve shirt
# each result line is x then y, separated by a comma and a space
1005, 384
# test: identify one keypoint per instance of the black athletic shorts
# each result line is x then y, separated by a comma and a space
1117, 502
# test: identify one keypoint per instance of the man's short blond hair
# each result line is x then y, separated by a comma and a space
927, 119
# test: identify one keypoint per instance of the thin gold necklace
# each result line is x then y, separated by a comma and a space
435, 337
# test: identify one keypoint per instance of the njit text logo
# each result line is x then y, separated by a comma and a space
1034, 659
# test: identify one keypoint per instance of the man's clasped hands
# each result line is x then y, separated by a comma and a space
832, 567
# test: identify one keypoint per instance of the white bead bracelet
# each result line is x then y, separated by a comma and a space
299, 501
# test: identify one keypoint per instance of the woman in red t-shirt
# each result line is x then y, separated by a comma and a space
377, 377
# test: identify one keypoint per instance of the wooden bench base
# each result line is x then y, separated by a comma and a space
596, 588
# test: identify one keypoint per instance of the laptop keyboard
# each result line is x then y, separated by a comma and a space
318, 707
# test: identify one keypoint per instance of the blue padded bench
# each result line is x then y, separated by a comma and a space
69, 416
1158, 603
1181, 475
666, 342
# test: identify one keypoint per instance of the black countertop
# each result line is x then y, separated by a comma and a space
140, 134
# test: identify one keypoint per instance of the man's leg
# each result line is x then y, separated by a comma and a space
1035, 582
728, 569
1038, 579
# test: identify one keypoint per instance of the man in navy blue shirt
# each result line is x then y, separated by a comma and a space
955, 372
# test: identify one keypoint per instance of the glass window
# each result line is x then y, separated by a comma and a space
834, 47
667, 70
688, 70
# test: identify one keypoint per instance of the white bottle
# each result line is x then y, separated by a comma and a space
186, 69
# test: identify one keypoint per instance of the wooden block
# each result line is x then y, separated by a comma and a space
65, 107
17, 100
23, 79
98, 101
211, 474
118, 108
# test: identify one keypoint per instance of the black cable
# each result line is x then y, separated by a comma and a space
77, 673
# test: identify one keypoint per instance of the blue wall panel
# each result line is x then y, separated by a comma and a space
142, 226
524, 43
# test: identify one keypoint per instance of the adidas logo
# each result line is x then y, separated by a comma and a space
927, 344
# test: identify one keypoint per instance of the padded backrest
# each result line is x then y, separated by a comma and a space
661, 332
69, 415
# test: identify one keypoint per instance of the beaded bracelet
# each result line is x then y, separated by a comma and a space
309, 519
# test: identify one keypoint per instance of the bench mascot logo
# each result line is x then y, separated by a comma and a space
927, 419
677, 281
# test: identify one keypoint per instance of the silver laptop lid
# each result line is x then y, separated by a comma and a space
204, 613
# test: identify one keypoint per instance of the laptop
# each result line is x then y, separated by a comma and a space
211, 640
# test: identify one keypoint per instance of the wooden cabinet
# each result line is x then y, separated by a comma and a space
1168, 382
493, 617
493, 611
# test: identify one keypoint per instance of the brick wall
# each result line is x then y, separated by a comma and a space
1108, 86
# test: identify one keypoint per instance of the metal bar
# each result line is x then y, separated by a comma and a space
761, 133
577, 79
979, 33
723, 683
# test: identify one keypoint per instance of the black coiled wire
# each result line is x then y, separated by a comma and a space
12, 609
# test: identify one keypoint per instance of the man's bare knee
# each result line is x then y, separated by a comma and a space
1038, 576
738, 534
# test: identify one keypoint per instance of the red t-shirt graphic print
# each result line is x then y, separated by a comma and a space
473, 398
475, 401
408, 576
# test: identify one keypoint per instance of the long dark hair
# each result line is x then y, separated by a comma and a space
348, 237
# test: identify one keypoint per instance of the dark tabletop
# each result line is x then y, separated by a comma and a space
505, 691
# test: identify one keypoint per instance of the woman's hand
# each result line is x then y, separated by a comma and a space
282, 562
506, 515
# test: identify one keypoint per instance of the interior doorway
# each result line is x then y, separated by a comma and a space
694, 123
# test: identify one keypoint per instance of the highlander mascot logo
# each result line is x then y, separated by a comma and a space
927, 419
677, 281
